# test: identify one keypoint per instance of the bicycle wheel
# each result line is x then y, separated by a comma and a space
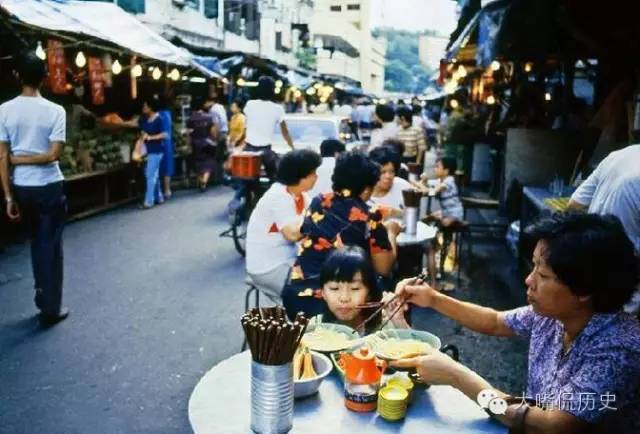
239, 232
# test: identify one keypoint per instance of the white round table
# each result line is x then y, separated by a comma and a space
424, 234
220, 403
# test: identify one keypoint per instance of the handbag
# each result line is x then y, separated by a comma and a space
139, 150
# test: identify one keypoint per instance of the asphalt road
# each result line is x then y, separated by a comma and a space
155, 298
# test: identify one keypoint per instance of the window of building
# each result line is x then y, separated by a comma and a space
133, 6
353, 7
195, 4
336, 8
279, 41
211, 8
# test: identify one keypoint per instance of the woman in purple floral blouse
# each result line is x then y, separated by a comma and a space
584, 351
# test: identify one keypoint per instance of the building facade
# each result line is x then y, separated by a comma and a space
269, 28
346, 46
432, 48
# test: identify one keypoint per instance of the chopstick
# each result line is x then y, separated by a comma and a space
375, 312
420, 278
400, 306
271, 337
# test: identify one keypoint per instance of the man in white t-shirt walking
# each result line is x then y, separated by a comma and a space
264, 115
32, 134
274, 225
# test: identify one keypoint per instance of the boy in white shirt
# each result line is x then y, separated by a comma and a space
274, 225
32, 134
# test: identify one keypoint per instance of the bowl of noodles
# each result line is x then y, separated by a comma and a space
328, 338
403, 343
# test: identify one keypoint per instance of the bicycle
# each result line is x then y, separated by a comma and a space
253, 189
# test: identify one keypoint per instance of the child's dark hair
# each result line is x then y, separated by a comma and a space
449, 163
341, 266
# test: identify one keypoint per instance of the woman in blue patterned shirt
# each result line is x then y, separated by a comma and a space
584, 351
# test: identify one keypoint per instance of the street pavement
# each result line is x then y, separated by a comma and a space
155, 298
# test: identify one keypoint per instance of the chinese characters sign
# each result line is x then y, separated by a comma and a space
96, 80
57, 67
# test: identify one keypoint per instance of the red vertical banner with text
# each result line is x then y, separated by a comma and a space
57, 67
96, 80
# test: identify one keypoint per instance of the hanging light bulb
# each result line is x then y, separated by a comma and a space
81, 61
279, 83
40, 51
317, 85
136, 71
495, 65
297, 94
240, 82
454, 103
116, 68
174, 74
311, 91
528, 67
547, 97
491, 100
156, 74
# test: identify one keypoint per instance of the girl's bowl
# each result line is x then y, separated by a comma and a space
307, 387
330, 347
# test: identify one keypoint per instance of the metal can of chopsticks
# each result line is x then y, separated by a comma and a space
411, 220
271, 398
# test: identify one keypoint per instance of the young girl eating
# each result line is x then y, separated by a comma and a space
348, 282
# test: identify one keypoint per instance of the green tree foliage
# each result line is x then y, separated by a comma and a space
403, 70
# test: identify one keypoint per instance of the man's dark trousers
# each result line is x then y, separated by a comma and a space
45, 208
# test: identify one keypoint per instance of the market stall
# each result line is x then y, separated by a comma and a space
98, 71
546, 82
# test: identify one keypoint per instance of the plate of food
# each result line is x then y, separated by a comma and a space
328, 338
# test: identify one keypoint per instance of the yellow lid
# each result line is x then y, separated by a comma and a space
403, 382
394, 393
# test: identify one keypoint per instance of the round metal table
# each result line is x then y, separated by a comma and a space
424, 234
220, 403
